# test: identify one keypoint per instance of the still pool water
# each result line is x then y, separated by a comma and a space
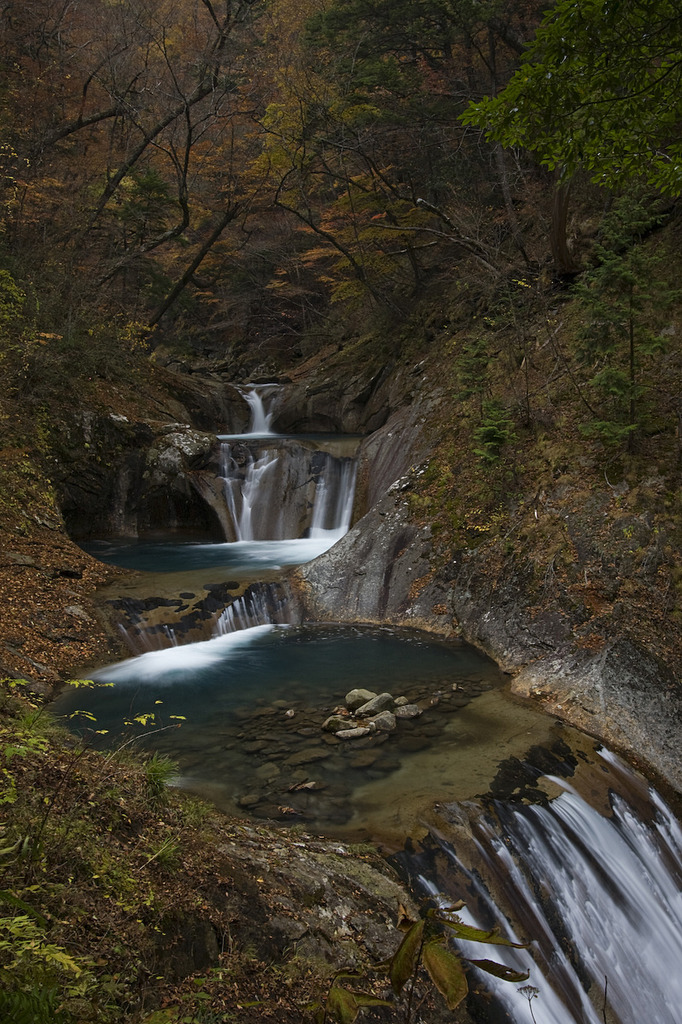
242, 714
242, 557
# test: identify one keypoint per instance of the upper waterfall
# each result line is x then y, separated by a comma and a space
262, 401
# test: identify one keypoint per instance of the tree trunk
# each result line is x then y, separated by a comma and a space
563, 258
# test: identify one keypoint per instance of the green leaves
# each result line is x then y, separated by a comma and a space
600, 91
425, 944
446, 972
496, 430
499, 970
406, 957
343, 1005
624, 299
471, 934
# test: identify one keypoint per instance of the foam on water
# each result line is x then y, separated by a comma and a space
598, 895
173, 663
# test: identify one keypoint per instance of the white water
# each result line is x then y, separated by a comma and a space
598, 894
269, 497
333, 506
242, 495
275, 553
262, 402
147, 641
256, 608
172, 664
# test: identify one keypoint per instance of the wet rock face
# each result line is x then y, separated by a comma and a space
380, 571
136, 477
622, 693
339, 404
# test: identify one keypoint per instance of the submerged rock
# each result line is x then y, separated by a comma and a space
356, 698
383, 722
407, 711
382, 702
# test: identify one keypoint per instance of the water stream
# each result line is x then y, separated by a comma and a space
534, 827
588, 871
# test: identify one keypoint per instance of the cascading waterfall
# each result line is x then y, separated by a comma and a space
595, 888
261, 399
286, 493
596, 892
242, 493
334, 496
260, 606
142, 642
286, 489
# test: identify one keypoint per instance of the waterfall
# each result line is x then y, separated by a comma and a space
244, 489
286, 491
595, 891
155, 638
333, 506
260, 606
262, 401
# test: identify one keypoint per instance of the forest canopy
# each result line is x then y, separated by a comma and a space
220, 172
599, 89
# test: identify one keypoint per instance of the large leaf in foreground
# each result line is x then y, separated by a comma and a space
404, 962
500, 971
446, 972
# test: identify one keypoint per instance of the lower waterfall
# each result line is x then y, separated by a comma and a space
595, 891
283, 489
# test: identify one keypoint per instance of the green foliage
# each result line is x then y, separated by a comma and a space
39, 1006
624, 298
37, 976
425, 944
471, 368
406, 957
344, 1004
496, 430
12, 300
159, 770
600, 89
145, 205
446, 972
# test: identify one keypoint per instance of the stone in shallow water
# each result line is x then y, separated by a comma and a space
249, 800
364, 759
410, 744
307, 756
407, 711
254, 746
353, 734
382, 702
335, 722
356, 698
384, 722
